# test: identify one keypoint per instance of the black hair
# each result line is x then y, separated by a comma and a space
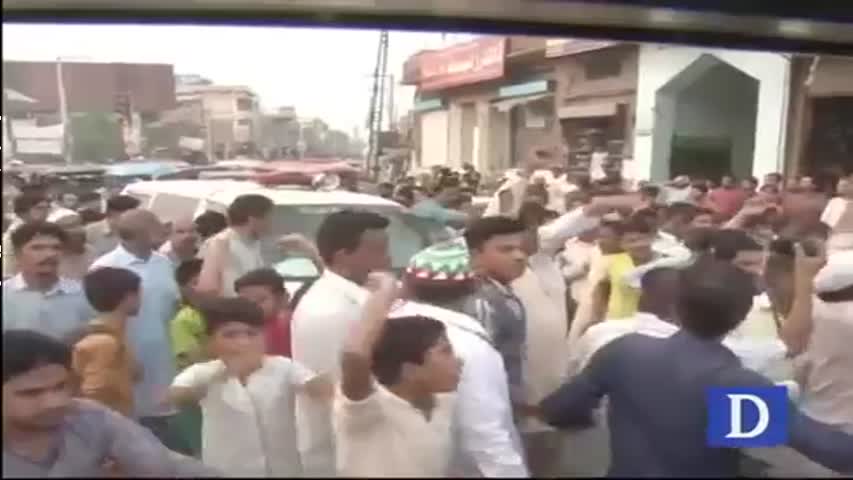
654, 284
437, 293
407, 192
88, 215
26, 350
188, 270
714, 297
700, 239
770, 189
219, 311
652, 278
262, 277
404, 340
122, 203
652, 191
30, 230
107, 287
343, 231
484, 229
459, 199
635, 224
248, 206
778, 176
210, 223
684, 210
702, 187
728, 243
26, 201
532, 214
752, 180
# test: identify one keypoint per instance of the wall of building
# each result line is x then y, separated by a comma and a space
93, 87
659, 65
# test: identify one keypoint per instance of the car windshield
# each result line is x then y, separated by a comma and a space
407, 233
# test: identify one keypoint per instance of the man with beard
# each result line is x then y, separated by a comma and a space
37, 298
48, 433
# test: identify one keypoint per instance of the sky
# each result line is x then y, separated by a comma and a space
322, 72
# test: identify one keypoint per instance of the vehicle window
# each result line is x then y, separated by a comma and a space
171, 207
408, 234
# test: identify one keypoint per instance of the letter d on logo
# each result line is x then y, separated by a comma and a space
747, 417
735, 401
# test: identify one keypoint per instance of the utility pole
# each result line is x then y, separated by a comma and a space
392, 107
67, 141
377, 104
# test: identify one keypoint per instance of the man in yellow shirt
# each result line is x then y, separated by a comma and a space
637, 234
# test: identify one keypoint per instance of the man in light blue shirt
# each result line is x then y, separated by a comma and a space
37, 298
443, 207
148, 333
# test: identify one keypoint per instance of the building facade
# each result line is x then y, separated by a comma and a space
230, 114
483, 102
820, 126
710, 112
595, 99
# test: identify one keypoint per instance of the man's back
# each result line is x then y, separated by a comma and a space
658, 430
657, 415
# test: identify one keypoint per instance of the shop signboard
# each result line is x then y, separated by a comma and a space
561, 47
467, 63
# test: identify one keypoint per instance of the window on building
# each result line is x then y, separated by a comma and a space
603, 66
245, 104
244, 122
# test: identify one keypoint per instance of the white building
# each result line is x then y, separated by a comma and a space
710, 112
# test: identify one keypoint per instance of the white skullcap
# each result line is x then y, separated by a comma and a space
61, 214
837, 274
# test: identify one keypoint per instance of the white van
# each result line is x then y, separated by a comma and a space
297, 210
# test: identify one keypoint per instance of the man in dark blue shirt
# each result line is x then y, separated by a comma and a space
656, 388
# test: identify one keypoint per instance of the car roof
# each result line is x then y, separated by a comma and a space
225, 191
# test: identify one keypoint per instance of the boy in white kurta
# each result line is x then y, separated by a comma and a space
393, 416
246, 397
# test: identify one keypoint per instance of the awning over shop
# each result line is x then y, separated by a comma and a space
16, 96
602, 109
428, 105
831, 77
510, 103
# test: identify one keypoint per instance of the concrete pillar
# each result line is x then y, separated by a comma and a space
483, 140
454, 135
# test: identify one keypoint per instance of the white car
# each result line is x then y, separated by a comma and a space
297, 210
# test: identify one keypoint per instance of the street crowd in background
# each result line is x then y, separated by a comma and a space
132, 349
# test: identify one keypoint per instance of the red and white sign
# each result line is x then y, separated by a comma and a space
561, 47
470, 62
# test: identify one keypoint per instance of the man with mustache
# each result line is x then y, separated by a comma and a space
38, 298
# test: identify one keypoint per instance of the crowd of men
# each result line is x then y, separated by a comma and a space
133, 349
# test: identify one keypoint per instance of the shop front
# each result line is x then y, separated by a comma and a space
464, 78
821, 125
596, 84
